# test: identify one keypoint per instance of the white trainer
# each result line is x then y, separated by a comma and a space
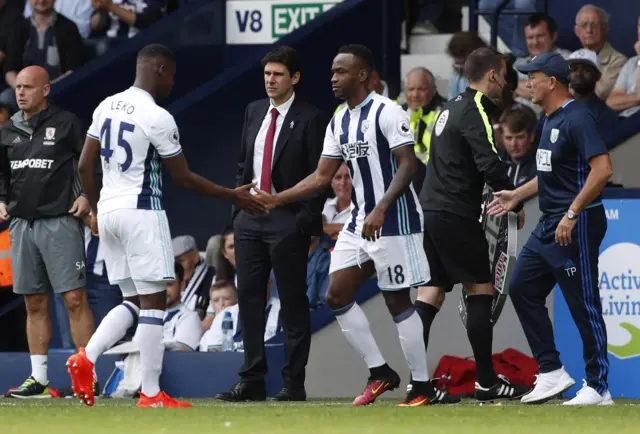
588, 396
548, 386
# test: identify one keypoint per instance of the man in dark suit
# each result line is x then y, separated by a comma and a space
281, 144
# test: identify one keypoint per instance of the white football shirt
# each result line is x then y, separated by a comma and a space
134, 134
182, 326
365, 137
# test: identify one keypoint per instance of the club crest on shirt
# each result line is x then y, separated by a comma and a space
49, 137
365, 126
554, 135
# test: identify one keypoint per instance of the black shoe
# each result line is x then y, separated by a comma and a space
438, 396
290, 393
503, 389
244, 391
30, 389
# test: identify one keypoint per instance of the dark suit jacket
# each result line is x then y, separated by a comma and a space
296, 156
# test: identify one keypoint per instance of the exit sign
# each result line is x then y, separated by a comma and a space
289, 17
266, 21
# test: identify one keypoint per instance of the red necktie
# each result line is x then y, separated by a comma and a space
267, 157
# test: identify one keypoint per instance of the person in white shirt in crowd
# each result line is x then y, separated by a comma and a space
625, 96
337, 210
182, 327
78, 11
212, 338
541, 34
197, 274
223, 294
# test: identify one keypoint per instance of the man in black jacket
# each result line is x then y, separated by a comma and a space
281, 144
463, 156
41, 194
518, 127
47, 39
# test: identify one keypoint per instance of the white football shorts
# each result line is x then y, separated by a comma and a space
399, 260
136, 245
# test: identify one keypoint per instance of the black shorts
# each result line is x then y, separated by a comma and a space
456, 249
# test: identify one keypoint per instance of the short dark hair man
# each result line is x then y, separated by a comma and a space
573, 169
134, 231
541, 34
373, 136
518, 128
281, 143
40, 192
463, 157
585, 74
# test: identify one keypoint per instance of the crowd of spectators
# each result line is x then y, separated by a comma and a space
601, 77
62, 35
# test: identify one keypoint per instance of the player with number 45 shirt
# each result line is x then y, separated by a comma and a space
133, 137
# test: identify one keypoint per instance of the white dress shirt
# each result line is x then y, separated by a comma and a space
331, 214
258, 148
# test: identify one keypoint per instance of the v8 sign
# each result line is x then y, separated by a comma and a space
264, 22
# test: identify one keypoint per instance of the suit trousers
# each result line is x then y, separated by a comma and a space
263, 243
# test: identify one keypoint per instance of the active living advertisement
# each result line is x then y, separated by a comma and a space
619, 283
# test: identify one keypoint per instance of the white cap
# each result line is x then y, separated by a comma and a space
585, 56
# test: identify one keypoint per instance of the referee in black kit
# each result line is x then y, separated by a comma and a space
463, 156
573, 169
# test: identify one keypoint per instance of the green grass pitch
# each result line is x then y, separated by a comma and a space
315, 416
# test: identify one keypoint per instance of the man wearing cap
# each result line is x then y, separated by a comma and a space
197, 274
573, 169
585, 73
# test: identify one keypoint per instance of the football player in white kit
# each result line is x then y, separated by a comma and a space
134, 137
384, 234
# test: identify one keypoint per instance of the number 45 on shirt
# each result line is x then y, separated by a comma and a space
105, 140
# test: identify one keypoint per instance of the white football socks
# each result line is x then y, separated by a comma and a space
410, 333
355, 327
39, 368
112, 328
149, 340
